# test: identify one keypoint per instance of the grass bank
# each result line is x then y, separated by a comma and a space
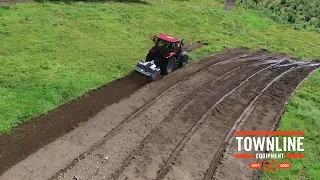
51, 53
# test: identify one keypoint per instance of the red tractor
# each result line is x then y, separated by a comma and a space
164, 57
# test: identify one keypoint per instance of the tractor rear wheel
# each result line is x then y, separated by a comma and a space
183, 59
168, 65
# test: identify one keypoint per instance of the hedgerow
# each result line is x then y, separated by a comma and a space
300, 13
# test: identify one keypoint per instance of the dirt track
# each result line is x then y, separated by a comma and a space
175, 128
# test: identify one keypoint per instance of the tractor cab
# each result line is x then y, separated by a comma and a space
164, 57
166, 44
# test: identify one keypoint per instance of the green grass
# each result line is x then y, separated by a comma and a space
303, 114
300, 13
51, 53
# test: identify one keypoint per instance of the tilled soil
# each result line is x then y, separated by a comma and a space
262, 116
178, 127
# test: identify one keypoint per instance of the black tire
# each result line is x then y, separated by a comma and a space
183, 59
168, 65
150, 56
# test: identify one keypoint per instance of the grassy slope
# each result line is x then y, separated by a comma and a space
52, 53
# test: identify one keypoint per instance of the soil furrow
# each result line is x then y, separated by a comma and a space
218, 70
241, 118
150, 138
146, 122
164, 106
204, 99
265, 111
224, 110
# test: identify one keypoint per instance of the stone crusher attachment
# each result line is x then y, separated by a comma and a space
164, 57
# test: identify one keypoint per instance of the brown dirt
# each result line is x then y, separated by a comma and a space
174, 128
261, 118
225, 111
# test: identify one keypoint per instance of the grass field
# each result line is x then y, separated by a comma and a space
51, 53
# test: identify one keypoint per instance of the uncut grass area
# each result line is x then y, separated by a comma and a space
52, 53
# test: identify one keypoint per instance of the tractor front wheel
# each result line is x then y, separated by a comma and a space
168, 65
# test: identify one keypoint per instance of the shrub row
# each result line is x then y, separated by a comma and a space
301, 13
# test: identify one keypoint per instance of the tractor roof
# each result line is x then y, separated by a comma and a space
168, 38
